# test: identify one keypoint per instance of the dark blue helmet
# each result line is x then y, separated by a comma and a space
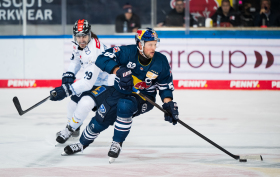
147, 34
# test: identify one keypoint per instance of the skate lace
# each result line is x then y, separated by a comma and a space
115, 147
77, 147
65, 133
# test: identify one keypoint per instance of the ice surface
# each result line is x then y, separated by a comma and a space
242, 122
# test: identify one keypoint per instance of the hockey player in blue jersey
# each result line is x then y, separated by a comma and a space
138, 66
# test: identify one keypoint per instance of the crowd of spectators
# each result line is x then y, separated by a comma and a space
127, 21
225, 16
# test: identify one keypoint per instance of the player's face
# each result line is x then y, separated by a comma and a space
82, 40
150, 48
226, 7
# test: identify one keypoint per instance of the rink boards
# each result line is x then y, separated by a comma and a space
196, 63
178, 84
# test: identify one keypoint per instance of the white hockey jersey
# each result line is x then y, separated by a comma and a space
86, 59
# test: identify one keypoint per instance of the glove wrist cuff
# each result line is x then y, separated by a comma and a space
67, 90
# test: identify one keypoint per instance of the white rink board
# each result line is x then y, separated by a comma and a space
47, 58
189, 58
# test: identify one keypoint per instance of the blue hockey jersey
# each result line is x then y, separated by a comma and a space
147, 78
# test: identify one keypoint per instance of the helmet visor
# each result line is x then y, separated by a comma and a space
151, 44
80, 34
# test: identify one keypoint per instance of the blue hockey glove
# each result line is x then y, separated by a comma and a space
68, 78
172, 108
61, 92
125, 78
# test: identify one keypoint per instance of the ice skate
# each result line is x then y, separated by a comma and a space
64, 134
73, 149
114, 151
76, 133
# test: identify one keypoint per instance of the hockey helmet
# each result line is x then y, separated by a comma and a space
81, 28
144, 35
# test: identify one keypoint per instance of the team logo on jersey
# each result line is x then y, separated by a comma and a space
87, 51
144, 107
97, 43
141, 68
74, 47
139, 84
98, 91
131, 65
151, 75
116, 49
102, 109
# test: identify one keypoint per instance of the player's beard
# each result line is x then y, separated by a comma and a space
83, 44
149, 55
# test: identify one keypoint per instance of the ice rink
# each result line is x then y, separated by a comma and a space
242, 122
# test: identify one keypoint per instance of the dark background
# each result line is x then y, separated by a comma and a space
105, 11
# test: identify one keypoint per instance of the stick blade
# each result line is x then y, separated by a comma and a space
17, 105
251, 157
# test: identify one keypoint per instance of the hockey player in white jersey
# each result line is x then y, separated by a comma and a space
86, 48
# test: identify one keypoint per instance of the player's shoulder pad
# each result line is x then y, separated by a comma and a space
96, 42
129, 49
75, 45
163, 60
74, 42
161, 56
104, 46
116, 49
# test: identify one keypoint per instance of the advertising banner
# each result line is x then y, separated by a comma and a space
242, 64
37, 11
218, 59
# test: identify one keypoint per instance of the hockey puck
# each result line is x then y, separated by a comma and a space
242, 160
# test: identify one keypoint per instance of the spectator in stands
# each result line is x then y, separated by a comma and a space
226, 16
267, 17
128, 21
247, 19
176, 17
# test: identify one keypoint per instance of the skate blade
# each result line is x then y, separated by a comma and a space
111, 160
71, 140
64, 154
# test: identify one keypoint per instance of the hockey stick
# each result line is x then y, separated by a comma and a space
236, 157
19, 109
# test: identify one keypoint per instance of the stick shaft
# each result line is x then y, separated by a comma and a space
188, 127
19, 109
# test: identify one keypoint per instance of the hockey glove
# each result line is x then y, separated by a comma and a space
172, 108
61, 92
68, 78
125, 79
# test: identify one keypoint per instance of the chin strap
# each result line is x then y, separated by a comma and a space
142, 51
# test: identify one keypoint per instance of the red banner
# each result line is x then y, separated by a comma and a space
28, 83
227, 84
178, 84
